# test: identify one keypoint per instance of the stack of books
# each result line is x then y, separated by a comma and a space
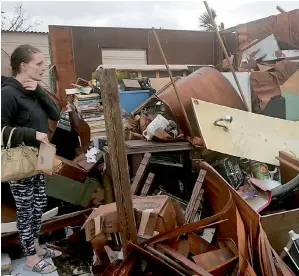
91, 111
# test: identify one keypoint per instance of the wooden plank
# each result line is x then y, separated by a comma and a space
12, 226
290, 158
51, 225
60, 40
136, 160
118, 156
147, 185
278, 236
198, 245
210, 260
289, 166
195, 200
252, 136
140, 173
183, 260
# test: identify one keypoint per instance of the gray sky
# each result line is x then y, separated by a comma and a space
139, 14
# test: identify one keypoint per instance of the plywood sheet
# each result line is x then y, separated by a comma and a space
278, 236
253, 136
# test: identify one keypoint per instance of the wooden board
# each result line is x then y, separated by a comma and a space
213, 259
253, 136
140, 173
61, 49
278, 236
196, 197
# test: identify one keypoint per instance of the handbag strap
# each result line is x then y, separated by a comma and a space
9, 138
2, 132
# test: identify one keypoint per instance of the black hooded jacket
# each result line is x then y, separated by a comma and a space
26, 110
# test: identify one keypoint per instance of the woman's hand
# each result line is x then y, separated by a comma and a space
30, 84
42, 137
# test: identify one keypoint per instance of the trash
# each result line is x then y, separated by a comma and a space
247, 191
158, 123
91, 155
105, 218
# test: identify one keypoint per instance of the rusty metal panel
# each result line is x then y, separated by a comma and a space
182, 47
284, 26
192, 47
62, 57
88, 43
205, 84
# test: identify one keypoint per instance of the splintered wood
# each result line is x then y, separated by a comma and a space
118, 156
147, 185
196, 198
140, 173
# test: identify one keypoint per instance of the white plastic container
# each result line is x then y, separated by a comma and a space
158, 123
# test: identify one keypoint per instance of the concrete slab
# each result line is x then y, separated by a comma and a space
17, 268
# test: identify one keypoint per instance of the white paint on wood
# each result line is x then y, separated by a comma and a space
264, 49
12, 226
253, 136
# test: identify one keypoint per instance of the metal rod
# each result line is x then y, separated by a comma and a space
226, 54
173, 83
168, 260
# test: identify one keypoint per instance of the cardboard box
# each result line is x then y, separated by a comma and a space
153, 213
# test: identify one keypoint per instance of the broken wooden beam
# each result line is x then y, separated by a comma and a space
196, 197
59, 222
140, 173
281, 10
118, 155
155, 260
147, 185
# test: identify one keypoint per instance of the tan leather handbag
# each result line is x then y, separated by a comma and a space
19, 162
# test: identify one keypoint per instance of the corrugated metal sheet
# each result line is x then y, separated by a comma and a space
192, 47
11, 40
34, 32
124, 56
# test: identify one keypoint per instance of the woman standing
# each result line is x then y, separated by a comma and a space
26, 106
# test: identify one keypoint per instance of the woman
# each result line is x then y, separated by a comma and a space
26, 106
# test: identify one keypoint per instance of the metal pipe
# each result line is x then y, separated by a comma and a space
286, 188
173, 83
226, 54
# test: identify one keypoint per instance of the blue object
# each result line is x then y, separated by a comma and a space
129, 100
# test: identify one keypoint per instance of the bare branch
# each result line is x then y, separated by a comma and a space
21, 21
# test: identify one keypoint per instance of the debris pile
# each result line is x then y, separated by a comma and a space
199, 176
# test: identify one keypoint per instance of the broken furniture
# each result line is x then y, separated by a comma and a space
76, 181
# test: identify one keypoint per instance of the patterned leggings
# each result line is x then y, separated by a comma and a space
31, 200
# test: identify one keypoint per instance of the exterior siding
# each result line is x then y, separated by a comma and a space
11, 40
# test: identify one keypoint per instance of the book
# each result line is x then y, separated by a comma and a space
92, 119
94, 116
89, 96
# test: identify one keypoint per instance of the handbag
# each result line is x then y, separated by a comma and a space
18, 162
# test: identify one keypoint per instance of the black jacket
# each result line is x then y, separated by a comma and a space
26, 110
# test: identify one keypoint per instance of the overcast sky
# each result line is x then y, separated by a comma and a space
139, 14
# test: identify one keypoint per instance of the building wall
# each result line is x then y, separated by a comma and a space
11, 40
